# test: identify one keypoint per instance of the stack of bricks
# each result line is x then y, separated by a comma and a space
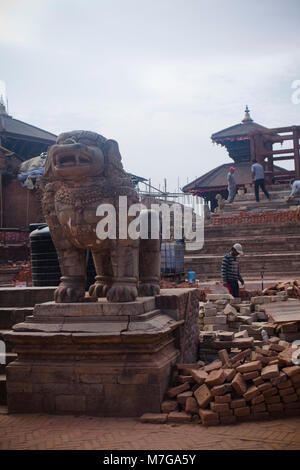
282, 217
228, 323
250, 385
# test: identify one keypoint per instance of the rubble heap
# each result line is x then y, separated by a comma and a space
251, 385
228, 323
290, 288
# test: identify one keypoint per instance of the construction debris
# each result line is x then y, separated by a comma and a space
290, 288
254, 384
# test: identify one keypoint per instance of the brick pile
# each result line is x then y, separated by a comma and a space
228, 323
287, 216
290, 288
252, 385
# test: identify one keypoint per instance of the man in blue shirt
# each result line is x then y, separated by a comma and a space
258, 176
230, 270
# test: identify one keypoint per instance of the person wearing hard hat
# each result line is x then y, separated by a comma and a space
230, 270
231, 184
295, 189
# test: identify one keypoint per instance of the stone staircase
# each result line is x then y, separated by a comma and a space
277, 202
15, 305
272, 248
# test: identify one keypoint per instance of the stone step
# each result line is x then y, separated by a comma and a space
263, 205
8, 358
250, 196
217, 231
25, 296
3, 400
279, 264
250, 244
9, 316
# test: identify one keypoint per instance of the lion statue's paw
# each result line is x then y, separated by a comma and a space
148, 289
122, 293
68, 294
99, 289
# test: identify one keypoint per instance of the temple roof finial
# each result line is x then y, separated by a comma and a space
247, 117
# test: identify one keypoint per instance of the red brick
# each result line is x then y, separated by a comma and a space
273, 399
179, 417
173, 392
223, 355
292, 406
241, 356
252, 392
258, 381
208, 417
245, 411
203, 396
223, 398
155, 418
250, 375
290, 398
275, 407
265, 386
276, 347
199, 376
238, 403
182, 397
239, 385
286, 384
191, 406
249, 367
221, 389
229, 374
269, 393
257, 400
258, 408
296, 379
291, 371
168, 406
269, 372
213, 366
216, 377
185, 378
287, 391
219, 407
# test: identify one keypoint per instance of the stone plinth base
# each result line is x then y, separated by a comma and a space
101, 358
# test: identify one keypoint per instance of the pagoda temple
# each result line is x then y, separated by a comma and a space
25, 140
236, 140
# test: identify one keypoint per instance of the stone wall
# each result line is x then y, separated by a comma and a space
291, 216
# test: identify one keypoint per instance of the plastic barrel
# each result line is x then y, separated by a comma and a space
44, 261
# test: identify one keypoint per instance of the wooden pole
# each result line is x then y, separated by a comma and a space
1, 202
296, 153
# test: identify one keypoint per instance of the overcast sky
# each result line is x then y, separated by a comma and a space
158, 76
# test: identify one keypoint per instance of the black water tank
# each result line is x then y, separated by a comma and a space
44, 261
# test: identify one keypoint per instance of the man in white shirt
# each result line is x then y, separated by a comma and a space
295, 189
258, 176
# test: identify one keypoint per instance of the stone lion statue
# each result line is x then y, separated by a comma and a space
83, 170
221, 204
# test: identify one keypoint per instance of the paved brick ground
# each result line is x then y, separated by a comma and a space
38, 431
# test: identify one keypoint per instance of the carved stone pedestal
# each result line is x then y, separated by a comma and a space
107, 359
